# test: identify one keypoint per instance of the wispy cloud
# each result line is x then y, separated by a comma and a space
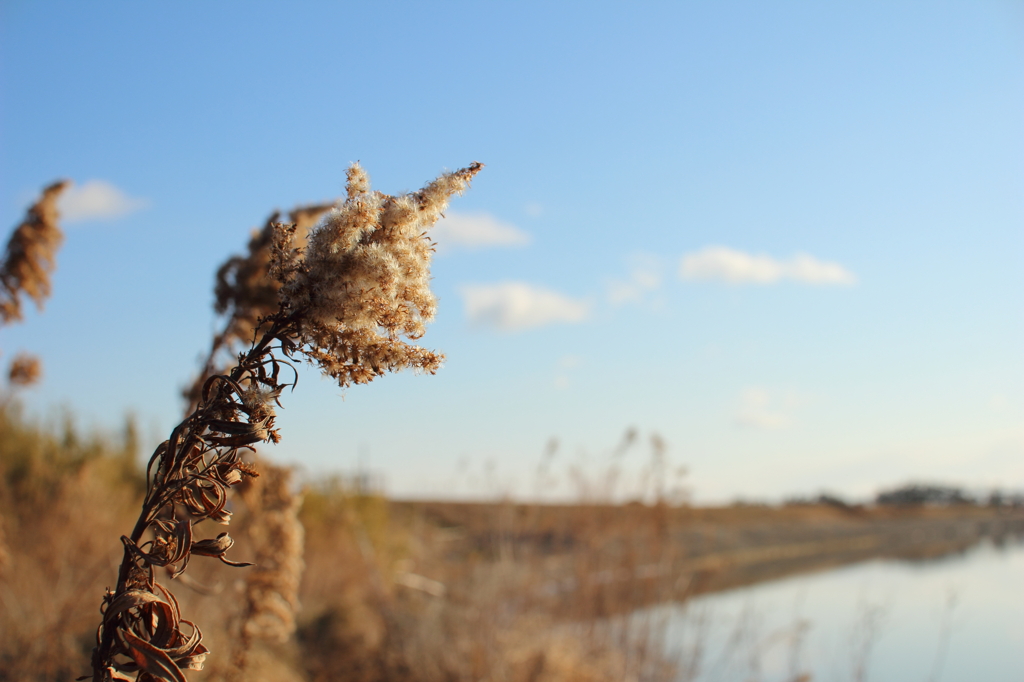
475, 231
644, 278
760, 409
97, 200
720, 263
515, 306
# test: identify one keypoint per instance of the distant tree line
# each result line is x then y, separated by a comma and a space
916, 494
919, 494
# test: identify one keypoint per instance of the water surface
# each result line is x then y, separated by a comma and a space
958, 618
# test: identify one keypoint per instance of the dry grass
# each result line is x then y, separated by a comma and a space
383, 596
404, 604
60, 544
416, 591
24, 370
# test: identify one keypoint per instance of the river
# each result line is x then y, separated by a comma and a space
957, 618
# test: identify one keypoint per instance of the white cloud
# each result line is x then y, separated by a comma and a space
97, 200
476, 230
644, 277
514, 306
729, 265
758, 409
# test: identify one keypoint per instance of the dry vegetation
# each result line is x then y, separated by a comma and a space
30, 256
417, 591
385, 592
28, 260
346, 584
707, 549
346, 295
349, 298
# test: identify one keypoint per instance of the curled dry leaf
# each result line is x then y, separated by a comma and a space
149, 636
152, 660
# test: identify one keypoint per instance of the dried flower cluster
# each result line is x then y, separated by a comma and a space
345, 303
363, 281
30, 256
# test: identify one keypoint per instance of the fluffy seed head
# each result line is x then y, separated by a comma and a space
363, 281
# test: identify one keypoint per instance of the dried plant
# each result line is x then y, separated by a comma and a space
347, 302
24, 370
245, 293
362, 282
272, 586
56, 558
30, 255
27, 264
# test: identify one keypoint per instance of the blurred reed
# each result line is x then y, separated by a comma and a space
28, 261
30, 256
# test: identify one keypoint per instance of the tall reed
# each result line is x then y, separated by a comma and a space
30, 255
271, 599
348, 302
28, 261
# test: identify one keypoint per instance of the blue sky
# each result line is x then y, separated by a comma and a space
786, 238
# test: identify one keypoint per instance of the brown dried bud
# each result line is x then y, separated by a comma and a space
217, 547
25, 370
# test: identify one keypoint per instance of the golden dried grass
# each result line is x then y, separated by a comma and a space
362, 618
62, 499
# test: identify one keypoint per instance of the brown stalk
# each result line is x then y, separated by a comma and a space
193, 471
